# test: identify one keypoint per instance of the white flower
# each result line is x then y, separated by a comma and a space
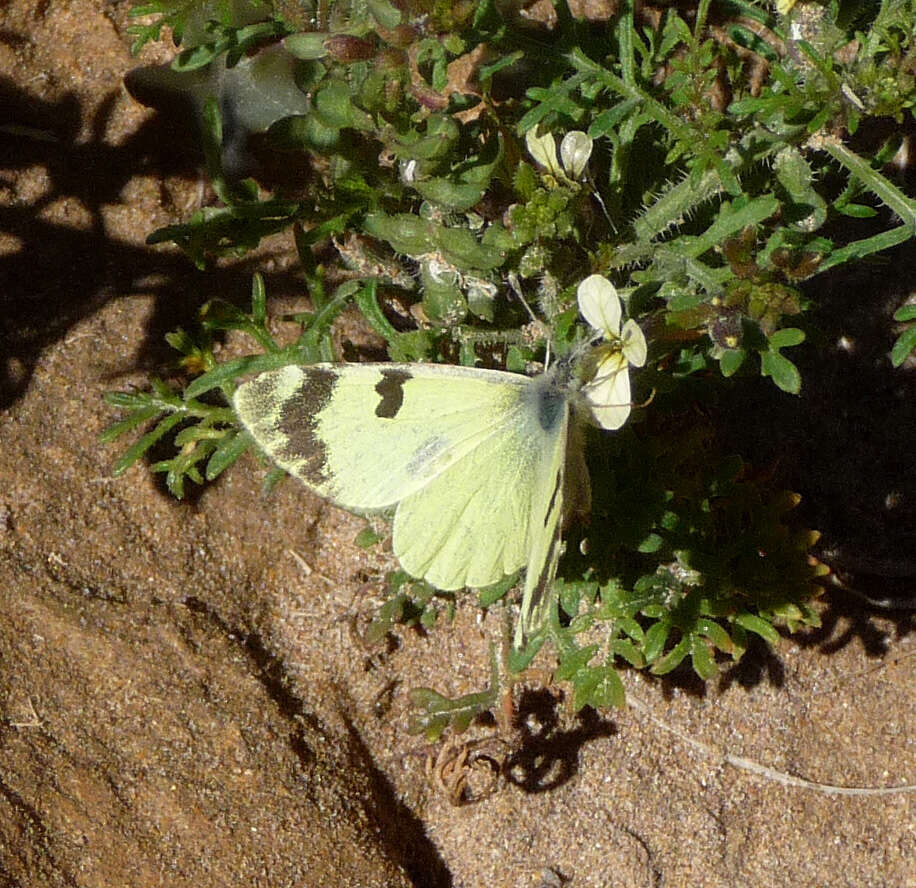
607, 389
575, 150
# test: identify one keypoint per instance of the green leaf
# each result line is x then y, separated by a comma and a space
574, 662
782, 371
621, 647
367, 300
307, 45
673, 658
146, 442
461, 247
607, 122
731, 360
904, 346
367, 538
129, 423
491, 594
716, 634
227, 373
857, 211
405, 232
228, 450
335, 108
786, 337
262, 90
600, 687
656, 638
385, 13
758, 626
701, 658
451, 195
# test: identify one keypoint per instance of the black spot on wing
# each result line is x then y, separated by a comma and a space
298, 423
390, 389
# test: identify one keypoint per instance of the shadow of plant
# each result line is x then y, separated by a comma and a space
57, 274
548, 757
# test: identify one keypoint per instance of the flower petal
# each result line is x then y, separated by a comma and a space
575, 150
600, 304
608, 394
635, 349
543, 149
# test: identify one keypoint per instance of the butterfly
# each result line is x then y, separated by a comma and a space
481, 467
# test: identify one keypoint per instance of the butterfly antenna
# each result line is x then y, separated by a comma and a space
516, 288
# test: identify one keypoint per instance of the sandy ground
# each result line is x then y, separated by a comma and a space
184, 695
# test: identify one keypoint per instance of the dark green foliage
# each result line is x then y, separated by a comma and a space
906, 342
721, 166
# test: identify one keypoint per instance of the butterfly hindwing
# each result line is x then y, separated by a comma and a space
572, 497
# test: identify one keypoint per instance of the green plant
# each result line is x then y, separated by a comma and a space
706, 166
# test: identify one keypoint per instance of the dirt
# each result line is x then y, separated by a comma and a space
185, 698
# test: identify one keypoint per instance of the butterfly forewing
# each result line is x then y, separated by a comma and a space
369, 435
